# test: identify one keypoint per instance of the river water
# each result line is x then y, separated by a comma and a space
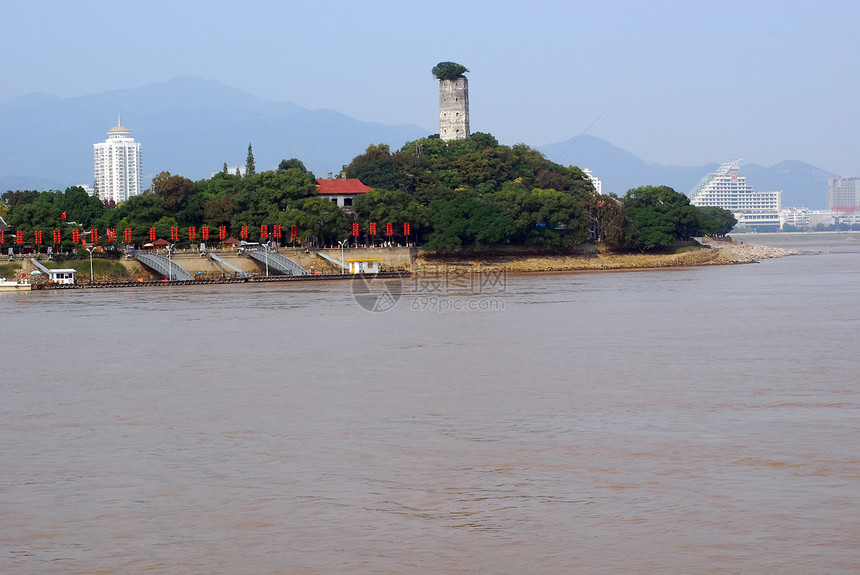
698, 420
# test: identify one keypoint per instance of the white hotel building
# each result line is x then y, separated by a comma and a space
117, 166
726, 189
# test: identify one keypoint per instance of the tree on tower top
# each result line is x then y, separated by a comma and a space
449, 70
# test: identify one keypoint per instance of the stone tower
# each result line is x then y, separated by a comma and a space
454, 108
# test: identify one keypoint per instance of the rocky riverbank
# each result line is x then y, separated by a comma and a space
597, 258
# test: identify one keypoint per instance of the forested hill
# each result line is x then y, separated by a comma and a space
445, 196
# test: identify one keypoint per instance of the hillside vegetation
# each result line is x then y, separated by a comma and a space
472, 193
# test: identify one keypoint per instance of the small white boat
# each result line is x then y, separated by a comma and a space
10, 285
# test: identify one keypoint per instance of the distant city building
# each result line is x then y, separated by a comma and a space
454, 109
725, 189
843, 194
795, 217
598, 185
117, 166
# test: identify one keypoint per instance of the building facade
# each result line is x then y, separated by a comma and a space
726, 189
341, 191
598, 185
843, 194
454, 109
117, 166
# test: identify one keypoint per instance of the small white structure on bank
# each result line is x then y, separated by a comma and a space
62, 276
363, 265
56, 275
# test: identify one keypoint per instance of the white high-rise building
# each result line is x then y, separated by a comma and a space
726, 189
598, 185
117, 166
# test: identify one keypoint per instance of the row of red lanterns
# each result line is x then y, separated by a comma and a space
277, 232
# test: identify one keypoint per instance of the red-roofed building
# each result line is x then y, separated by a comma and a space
341, 190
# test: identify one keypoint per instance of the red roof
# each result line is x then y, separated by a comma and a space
339, 186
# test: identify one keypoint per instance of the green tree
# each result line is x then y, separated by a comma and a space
250, 169
320, 220
391, 206
464, 221
375, 168
449, 70
174, 190
659, 216
714, 221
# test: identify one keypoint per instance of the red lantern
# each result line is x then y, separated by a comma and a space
2, 238
19, 238
58, 237
37, 235
126, 234
222, 233
373, 228
76, 236
405, 228
174, 234
277, 231
152, 234
204, 232
294, 232
192, 233
389, 229
264, 231
355, 230
94, 235
243, 232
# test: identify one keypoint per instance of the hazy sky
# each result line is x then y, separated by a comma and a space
675, 81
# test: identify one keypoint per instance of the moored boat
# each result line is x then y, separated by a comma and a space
11, 285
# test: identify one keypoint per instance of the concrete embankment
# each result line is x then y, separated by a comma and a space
514, 259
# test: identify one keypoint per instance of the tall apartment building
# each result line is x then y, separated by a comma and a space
454, 109
843, 194
595, 181
117, 166
728, 190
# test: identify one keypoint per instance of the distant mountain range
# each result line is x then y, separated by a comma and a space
191, 127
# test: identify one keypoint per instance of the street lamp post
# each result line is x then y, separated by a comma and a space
266, 256
169, 263
342, 262
90, 249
